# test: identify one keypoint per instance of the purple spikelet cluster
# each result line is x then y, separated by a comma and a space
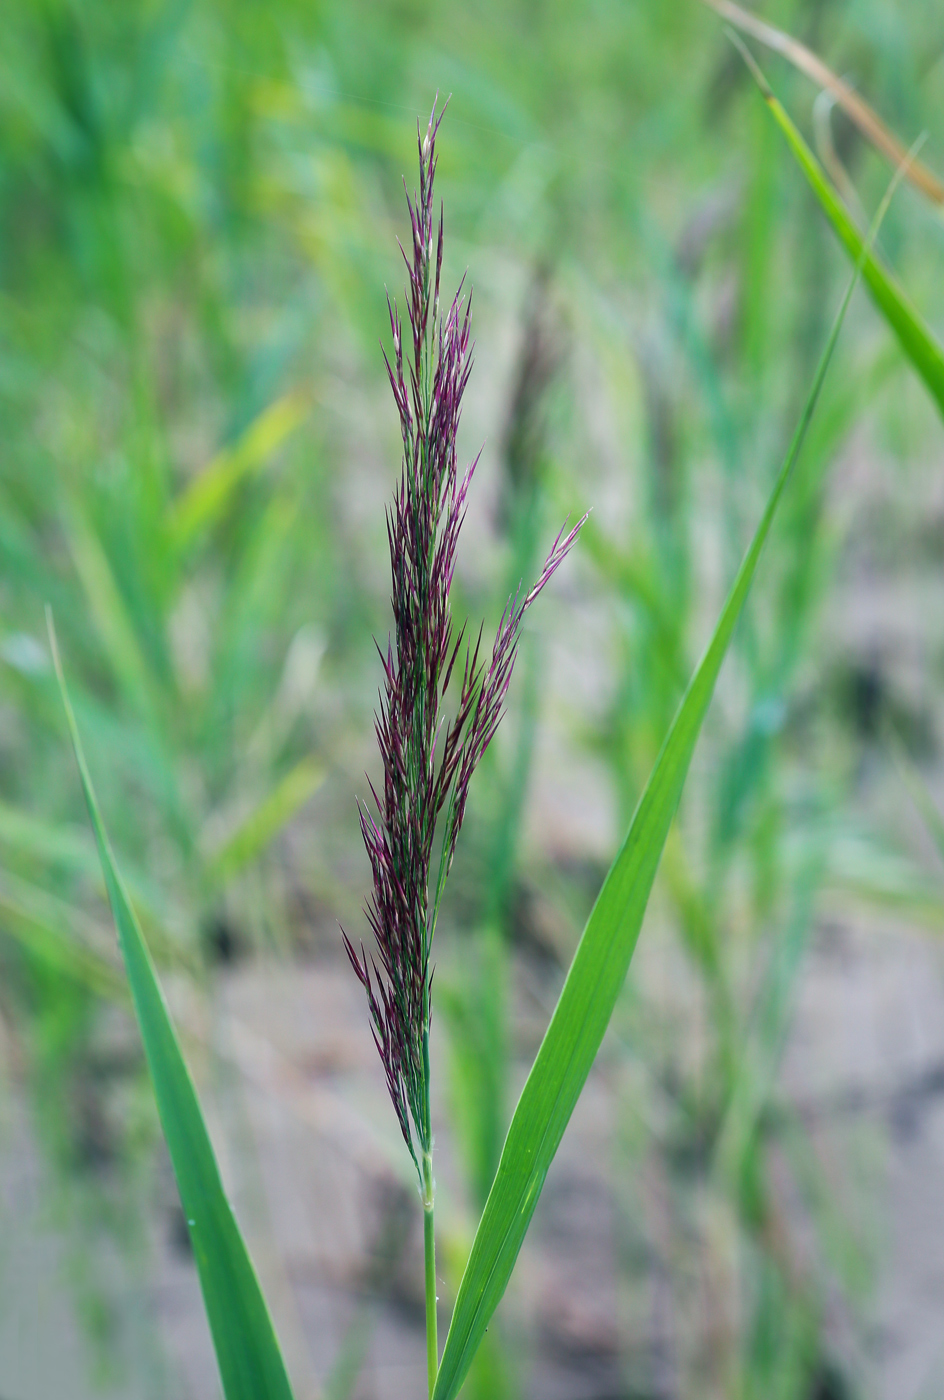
427, 761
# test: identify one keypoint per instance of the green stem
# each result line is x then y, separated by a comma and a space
429, 1247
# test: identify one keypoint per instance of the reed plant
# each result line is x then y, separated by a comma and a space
428, 761
427, 766
187, 268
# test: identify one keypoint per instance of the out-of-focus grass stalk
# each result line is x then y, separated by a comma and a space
856, 108
429, 1256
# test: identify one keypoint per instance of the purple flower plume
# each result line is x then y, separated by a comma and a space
427, 761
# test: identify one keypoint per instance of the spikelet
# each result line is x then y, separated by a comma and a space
427, 763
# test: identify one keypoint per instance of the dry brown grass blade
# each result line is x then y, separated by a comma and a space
857, 110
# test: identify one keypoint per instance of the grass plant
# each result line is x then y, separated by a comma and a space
423, 532
195, 209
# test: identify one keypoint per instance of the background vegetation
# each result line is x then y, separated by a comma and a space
198, 205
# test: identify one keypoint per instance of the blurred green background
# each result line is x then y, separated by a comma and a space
198, 208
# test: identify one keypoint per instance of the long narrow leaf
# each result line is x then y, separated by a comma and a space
251, 1365
856, 109
918, 342
596, 976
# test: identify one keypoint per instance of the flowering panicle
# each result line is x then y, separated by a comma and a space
427, 762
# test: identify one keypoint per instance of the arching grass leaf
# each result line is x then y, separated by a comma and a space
596, 976
247, 1349
918, 342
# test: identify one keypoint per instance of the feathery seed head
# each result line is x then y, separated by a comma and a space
427, 761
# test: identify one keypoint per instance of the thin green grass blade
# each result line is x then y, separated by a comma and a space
53, 843
761, 1052
870, 871
267, 819
596, 976
918, 342
52, 932
110, 613
208, 494
918, 792
251, 1365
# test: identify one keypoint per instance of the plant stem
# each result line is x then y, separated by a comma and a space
429, 1248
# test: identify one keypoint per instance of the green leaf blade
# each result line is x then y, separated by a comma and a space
247, 1349
596, 974
917, 341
